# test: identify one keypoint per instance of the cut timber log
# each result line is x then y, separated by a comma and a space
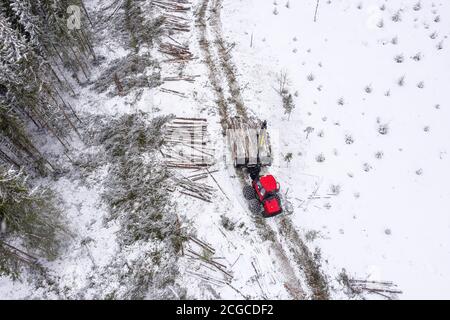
176, 51
177, 93
249, 143
185, 144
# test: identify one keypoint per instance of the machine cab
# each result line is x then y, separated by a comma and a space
266, 186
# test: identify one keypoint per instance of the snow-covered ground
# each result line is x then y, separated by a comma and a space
391, 218
369, 156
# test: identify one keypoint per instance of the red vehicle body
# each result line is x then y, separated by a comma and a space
266, 188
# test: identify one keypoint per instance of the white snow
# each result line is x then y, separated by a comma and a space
346, 51
389, 223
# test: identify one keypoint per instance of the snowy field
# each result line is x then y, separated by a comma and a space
363, 157
390, 218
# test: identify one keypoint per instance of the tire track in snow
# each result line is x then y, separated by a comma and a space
216, 80
316, 280
205, 46
222, 68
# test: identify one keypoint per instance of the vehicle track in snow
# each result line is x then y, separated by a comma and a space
286, 242
213, 51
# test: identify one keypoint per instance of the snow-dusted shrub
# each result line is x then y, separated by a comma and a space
417, 57
367, 167
341, 101
379, 155
417, 6
320, 158
335, 189
368, 89
288, 158
288, 104
283, 91
401, 81
282, 83
383, 129
308, 131
312, 235
399, 58
397, 17
349, 139
227, 223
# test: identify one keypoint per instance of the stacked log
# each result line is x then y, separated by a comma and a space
174, 22
195, 189
185, 147
173, 6
386, 289
178, 52
185, 144
249, 142
207, 258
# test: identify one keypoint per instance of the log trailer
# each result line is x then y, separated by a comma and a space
251, 151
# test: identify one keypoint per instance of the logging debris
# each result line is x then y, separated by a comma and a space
185, 147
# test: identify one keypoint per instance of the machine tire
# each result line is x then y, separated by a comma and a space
277, 196
255, 206
249, 192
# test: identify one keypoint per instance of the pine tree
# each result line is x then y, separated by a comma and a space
36, 49
32, 79
30, 216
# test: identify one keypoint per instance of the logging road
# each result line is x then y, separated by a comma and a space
294, 258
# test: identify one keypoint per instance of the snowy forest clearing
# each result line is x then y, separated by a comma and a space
366, 171
354, 95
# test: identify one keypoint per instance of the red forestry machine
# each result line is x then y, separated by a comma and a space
251, 151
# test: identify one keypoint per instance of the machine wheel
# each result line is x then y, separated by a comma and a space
277, 196
255, 206
249, 192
